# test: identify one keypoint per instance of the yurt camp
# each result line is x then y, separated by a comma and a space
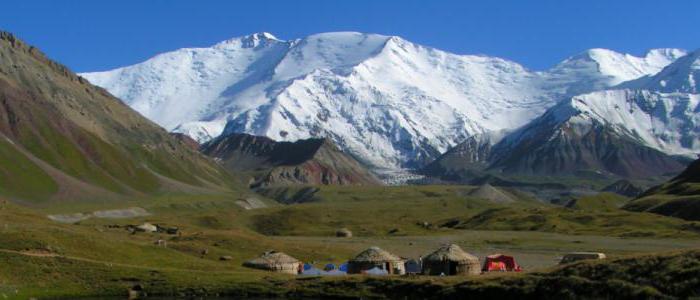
375, 257
276, 262
451, 260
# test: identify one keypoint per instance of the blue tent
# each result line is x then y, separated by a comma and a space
343, 267
307, 266
312, 272
376, 271
329, 267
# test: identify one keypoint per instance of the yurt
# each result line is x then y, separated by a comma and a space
451, 260
375, 257
276, 262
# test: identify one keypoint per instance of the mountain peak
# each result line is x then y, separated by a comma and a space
385, 100
590, 55
615, 68
673, 53
683, 76
249, 41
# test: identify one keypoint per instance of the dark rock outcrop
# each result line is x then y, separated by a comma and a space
310, 161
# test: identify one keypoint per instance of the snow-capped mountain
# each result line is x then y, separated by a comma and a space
629, 133
661, 111
619, 131
386, 101
632, 130
683, 76
598, 69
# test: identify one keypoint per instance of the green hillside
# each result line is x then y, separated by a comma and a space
65, 134
679, 197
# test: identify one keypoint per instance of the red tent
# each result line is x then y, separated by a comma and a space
500, 262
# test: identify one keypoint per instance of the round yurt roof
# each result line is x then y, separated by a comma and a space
450, 252
375, 254
272, 258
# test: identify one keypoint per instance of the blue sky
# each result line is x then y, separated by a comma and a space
99, 35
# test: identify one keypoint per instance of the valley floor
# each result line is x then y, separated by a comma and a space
99, 257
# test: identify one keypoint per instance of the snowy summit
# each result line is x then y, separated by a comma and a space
389, 102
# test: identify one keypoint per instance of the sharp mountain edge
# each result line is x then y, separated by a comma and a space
384, 100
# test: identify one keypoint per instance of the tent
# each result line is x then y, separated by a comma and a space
307, 266
500, 262
376, 271
329, 267
343, 267
312, 272
413, 267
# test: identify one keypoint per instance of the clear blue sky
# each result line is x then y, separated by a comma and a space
98, 35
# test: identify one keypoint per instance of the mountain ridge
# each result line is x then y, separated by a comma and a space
620, 131
273, 163
389, 102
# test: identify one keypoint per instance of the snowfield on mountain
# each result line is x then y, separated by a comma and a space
386, 101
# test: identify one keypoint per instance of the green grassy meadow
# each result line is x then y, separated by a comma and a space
97, 257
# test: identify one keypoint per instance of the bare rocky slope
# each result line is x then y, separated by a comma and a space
309, 161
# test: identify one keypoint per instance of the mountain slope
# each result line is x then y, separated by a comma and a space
61, 137
384, 100
310, 161
642, 128
623, 132
598, 69
463, 160
630, 131
680, 197
623, 187
683, 76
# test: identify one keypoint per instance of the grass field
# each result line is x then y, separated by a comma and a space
97, 256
